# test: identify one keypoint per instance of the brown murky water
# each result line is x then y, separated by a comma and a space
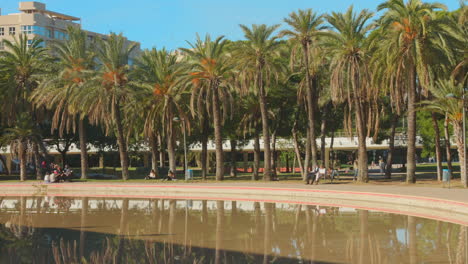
108, 230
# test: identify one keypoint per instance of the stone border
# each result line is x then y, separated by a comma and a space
425, 207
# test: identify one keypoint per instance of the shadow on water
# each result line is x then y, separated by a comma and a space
57, 230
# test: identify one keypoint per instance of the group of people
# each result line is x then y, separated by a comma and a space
317, 173
154, 175
54, 173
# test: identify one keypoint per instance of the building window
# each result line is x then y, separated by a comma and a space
26, 30
12, 31
2, 45
2, 31
37, 30
60, 35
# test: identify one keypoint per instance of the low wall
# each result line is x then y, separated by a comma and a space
426, 207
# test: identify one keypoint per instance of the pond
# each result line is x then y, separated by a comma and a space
129, 230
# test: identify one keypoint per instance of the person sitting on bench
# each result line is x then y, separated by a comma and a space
152, 175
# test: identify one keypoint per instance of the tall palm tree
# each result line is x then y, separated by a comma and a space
411, 31
21, 65
161, 74
58, 90
210, 69
449, 101
20, 138
305, 26
103, 96
349, 80
258, 53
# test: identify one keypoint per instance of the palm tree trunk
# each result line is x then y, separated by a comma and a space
83, 150
171, 147
22, 158
310, 103
233, 157
162, 158
438, 149
204, 145
256, 165
308, 152
121, 142
411, 132
273, 156
218, 133
323, 134
447, 146
391, 148
153, 140
363, 175
37, 162
458, 131
265, 126
298, 154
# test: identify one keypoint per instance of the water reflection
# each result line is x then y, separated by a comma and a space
98, 230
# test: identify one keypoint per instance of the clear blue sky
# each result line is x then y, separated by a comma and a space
169, 23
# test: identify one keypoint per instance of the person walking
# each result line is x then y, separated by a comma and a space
356, 170
382, 166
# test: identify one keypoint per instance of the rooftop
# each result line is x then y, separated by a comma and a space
37, 7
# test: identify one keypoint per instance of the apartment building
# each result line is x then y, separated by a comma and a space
35, 20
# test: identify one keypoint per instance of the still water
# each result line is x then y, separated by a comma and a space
108, 230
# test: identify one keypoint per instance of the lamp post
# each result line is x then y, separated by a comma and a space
451, 95
176, 119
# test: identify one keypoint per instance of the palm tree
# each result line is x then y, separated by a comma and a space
411, 32
258, 53
210, 70
349, 80
57, 91
448, 100
161, 74
305, 26
21, 64
20, 137
103, 96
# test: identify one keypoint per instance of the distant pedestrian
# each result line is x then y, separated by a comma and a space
356, 170
382, 166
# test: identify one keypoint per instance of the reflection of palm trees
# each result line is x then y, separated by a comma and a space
268, 230
123, 229
412, 244
84, 215
219, 230
462, 249
364, 231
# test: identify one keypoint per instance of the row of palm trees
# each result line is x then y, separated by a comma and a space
350, 66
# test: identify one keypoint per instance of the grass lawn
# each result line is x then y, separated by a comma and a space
426, 177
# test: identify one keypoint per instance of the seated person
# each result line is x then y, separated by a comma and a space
170, 176
321, 173
152, 175
67, 173
47, 178
58, 173
52, 178
311, 175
